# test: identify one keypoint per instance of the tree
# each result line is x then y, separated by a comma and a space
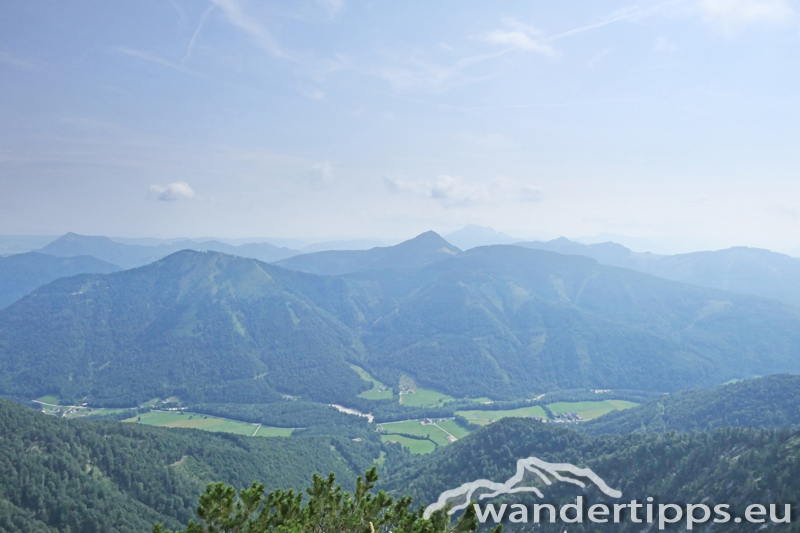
328, 510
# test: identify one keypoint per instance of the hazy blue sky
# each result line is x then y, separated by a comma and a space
345, 118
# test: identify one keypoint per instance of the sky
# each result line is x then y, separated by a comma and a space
675, 119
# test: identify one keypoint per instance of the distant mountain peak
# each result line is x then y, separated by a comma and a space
472, 236
425, 248
429, 239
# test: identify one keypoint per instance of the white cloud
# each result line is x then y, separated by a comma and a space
333, 7
454, 191
730, 14
322, 171
531, 194
172, 191
518, 39
311, 92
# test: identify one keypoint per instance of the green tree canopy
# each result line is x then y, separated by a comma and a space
328, 510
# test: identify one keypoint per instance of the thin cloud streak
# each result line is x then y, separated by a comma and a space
197, 32
14, 61
146, 56
235, 15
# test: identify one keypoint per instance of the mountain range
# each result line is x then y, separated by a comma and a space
498, 321
740, 269
134, 255
424, 249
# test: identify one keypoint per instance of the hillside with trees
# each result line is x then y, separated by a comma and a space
76, 476
734, 466
768, 402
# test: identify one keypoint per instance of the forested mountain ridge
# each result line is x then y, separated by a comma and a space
498, 321
134, 255
735, 466
503, 318
768, 402
738, 269
423, 249
76, 476
191, 321
22, 273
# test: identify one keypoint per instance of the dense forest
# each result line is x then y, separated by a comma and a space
736, 466
768, 402
77, 476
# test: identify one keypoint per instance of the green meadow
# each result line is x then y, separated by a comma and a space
375, 392
178, 419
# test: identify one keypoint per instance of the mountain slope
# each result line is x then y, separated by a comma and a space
22, 273
768, 402
740, 269
71, 475
503, 320
179, 326
424, 249
133, 255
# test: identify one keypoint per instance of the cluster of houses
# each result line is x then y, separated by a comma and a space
567, 418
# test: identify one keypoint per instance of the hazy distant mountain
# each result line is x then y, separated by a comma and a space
426, 248
20, 244
352, 244
22, 273
498, 321
656, 245
767, 402
743, 270
471, 236
133, 255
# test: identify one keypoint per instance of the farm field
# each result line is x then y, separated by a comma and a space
414, 445
50, 400
590, 410
454, 429
423, 398
413, 427
265, 431
478, 415
374, 393
176, 419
